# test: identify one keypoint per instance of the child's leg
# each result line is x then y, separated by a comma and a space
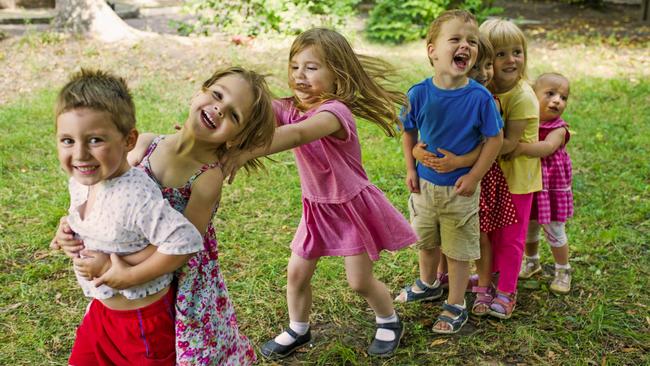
428, 260
299, 299
484, 264
458, 278
556, 236
508, 244
358, 270
531, 263
442, 265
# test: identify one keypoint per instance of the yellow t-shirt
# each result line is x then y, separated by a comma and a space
523, 173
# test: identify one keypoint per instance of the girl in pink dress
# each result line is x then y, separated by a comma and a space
343, 213
553, 205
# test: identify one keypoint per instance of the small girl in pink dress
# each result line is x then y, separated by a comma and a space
343, 213
553, 205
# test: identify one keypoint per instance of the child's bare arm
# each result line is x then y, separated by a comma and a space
206, 193
135, 156
466, 185
544, 148
514, 130
287, 137
450, 161
409, 140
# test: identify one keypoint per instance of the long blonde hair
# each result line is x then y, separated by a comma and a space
357, 78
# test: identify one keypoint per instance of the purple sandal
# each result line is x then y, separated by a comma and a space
484, 298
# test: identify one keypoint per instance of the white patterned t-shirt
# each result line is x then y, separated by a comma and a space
130, 213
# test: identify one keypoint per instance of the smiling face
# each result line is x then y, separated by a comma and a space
219, 112
90, 147
509, 66
553, 94
455, 49
482, 72
309, 77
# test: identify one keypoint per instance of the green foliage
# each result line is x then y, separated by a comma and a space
253, 17
402, 21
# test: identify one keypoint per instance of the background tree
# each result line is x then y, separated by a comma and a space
93, 18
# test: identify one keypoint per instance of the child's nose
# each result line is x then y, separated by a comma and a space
219, 111
80, 152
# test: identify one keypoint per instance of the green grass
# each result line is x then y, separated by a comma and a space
604, 320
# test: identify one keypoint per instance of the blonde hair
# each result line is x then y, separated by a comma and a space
444, 17
485, 50
259, 127
102, 92
504, 33
357, 78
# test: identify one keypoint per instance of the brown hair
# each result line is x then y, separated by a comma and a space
504, 33
259, 128
485, 50
357, 78
444, 17
100, 91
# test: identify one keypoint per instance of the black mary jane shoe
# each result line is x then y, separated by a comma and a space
387, 348
273, 350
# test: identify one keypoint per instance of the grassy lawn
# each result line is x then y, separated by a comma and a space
604, 320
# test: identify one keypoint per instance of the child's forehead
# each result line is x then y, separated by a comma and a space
555, 83
455, 24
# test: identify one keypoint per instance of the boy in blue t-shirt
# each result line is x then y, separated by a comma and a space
452, 112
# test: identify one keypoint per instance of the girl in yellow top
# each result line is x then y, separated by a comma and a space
523, 173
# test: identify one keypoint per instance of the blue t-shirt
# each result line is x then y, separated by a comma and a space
455, 120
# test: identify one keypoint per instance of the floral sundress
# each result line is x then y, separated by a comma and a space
206, 324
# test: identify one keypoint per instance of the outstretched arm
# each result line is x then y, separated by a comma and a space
544, 148
287, 137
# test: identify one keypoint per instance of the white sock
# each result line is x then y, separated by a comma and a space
386, 334
536, 256
286, 339
562, 266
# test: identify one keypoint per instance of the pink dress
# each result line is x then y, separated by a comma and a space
206, 324
555, 201
343, 213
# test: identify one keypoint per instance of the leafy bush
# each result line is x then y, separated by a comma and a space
252, 17
400, 21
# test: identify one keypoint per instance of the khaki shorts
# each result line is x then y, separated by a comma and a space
440, 217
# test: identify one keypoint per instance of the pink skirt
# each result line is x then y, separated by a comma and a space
367, 223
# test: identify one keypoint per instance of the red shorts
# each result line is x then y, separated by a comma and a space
143, 336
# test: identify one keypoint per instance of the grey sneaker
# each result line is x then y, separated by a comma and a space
562, 282
529, 267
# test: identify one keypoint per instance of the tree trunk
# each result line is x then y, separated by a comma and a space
93, 18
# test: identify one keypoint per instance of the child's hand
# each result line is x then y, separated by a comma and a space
118, 276
466, 185
413, 181
92, 264
517, 151
64, 239
425, 157
447, 163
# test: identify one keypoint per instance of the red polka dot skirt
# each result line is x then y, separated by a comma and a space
496, 209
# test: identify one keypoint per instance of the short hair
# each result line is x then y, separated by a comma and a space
503, 33
260, 126
101, 91
444, 17
485, 50
548, 76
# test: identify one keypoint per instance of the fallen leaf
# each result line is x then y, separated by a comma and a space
629, 349
437, 342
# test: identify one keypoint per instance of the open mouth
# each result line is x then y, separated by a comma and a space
461, 60
207, 120
87, 169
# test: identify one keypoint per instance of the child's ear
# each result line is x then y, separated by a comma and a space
431, 51
131, 139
